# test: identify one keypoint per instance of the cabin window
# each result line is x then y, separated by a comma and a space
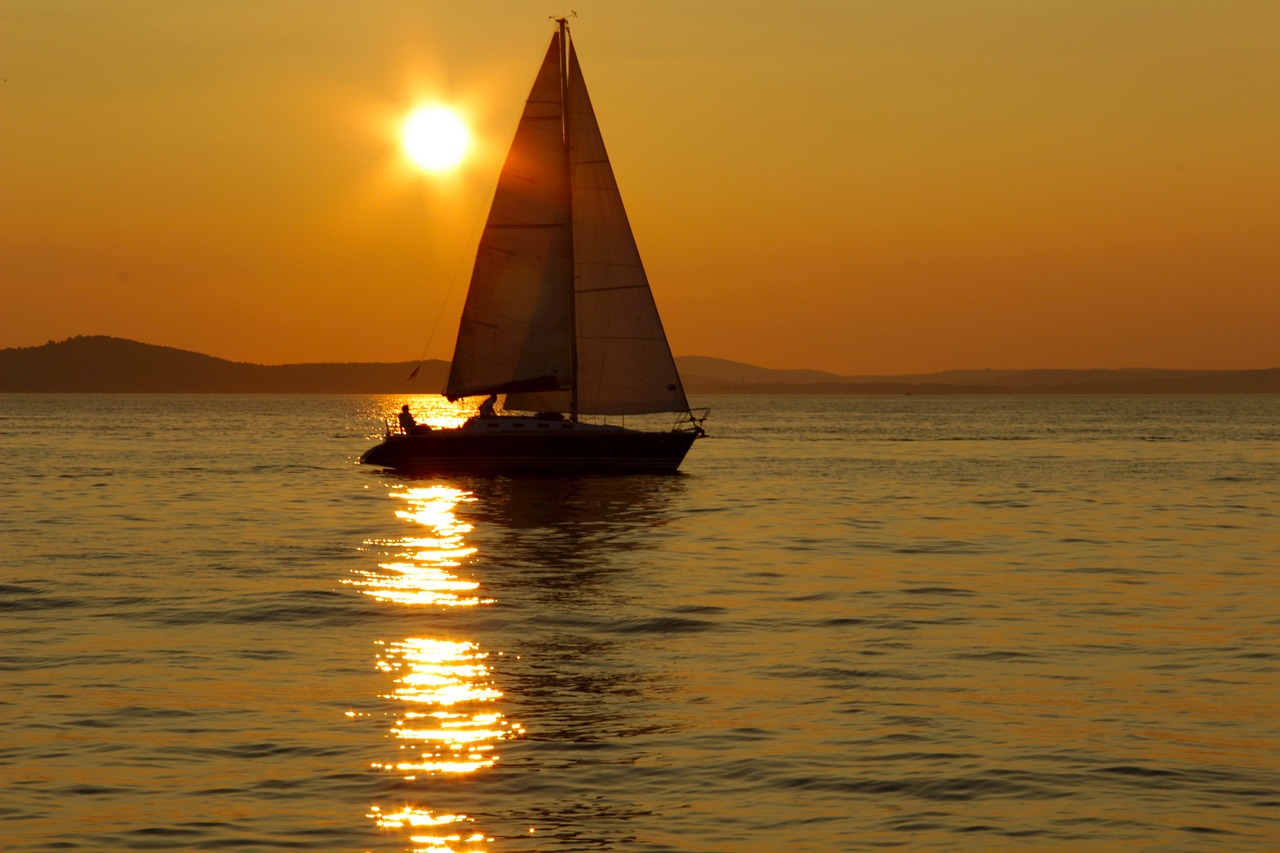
542, 426
566, 426
492, 426
518, 425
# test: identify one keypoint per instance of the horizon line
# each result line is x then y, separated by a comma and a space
830, 373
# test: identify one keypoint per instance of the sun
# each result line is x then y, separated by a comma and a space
435, 138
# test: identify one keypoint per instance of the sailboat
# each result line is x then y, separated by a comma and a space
559, 316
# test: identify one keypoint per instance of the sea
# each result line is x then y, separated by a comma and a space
849, 623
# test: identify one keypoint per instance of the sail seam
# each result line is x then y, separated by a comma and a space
615, 287
616, 337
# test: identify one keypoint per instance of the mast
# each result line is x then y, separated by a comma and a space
560, 315
568, 163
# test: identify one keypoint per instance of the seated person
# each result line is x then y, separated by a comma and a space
407, 423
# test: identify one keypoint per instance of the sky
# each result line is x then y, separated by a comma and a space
859, 186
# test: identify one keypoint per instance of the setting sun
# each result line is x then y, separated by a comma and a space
435, 138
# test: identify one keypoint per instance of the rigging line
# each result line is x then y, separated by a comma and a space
481, 215
453, 282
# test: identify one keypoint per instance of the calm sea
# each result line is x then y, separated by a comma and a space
929, 623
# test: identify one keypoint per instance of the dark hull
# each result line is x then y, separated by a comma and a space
470, 451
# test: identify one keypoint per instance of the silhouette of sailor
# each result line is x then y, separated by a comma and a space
407, 423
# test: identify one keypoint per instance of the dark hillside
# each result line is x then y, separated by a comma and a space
102, 364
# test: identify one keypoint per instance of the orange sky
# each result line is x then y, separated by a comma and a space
861, 186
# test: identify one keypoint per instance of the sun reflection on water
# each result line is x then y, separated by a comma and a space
458, 733
430, 409
446, 722
419, 571
417, 820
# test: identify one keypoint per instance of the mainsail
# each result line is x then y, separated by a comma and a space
558, 282
516, 325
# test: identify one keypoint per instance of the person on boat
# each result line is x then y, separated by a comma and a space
486, 408
407, 423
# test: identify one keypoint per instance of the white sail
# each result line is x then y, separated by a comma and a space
624, 362
516, 325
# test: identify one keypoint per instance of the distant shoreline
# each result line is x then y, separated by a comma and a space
107, 365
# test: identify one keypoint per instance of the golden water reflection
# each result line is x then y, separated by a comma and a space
449, 722
430, 409
419, 571
431, 832
446, 722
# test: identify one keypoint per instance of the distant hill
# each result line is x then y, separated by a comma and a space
100, 364
718, 376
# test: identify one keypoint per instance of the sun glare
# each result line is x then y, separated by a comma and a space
435, 138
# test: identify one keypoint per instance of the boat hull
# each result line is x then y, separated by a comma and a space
511, 449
